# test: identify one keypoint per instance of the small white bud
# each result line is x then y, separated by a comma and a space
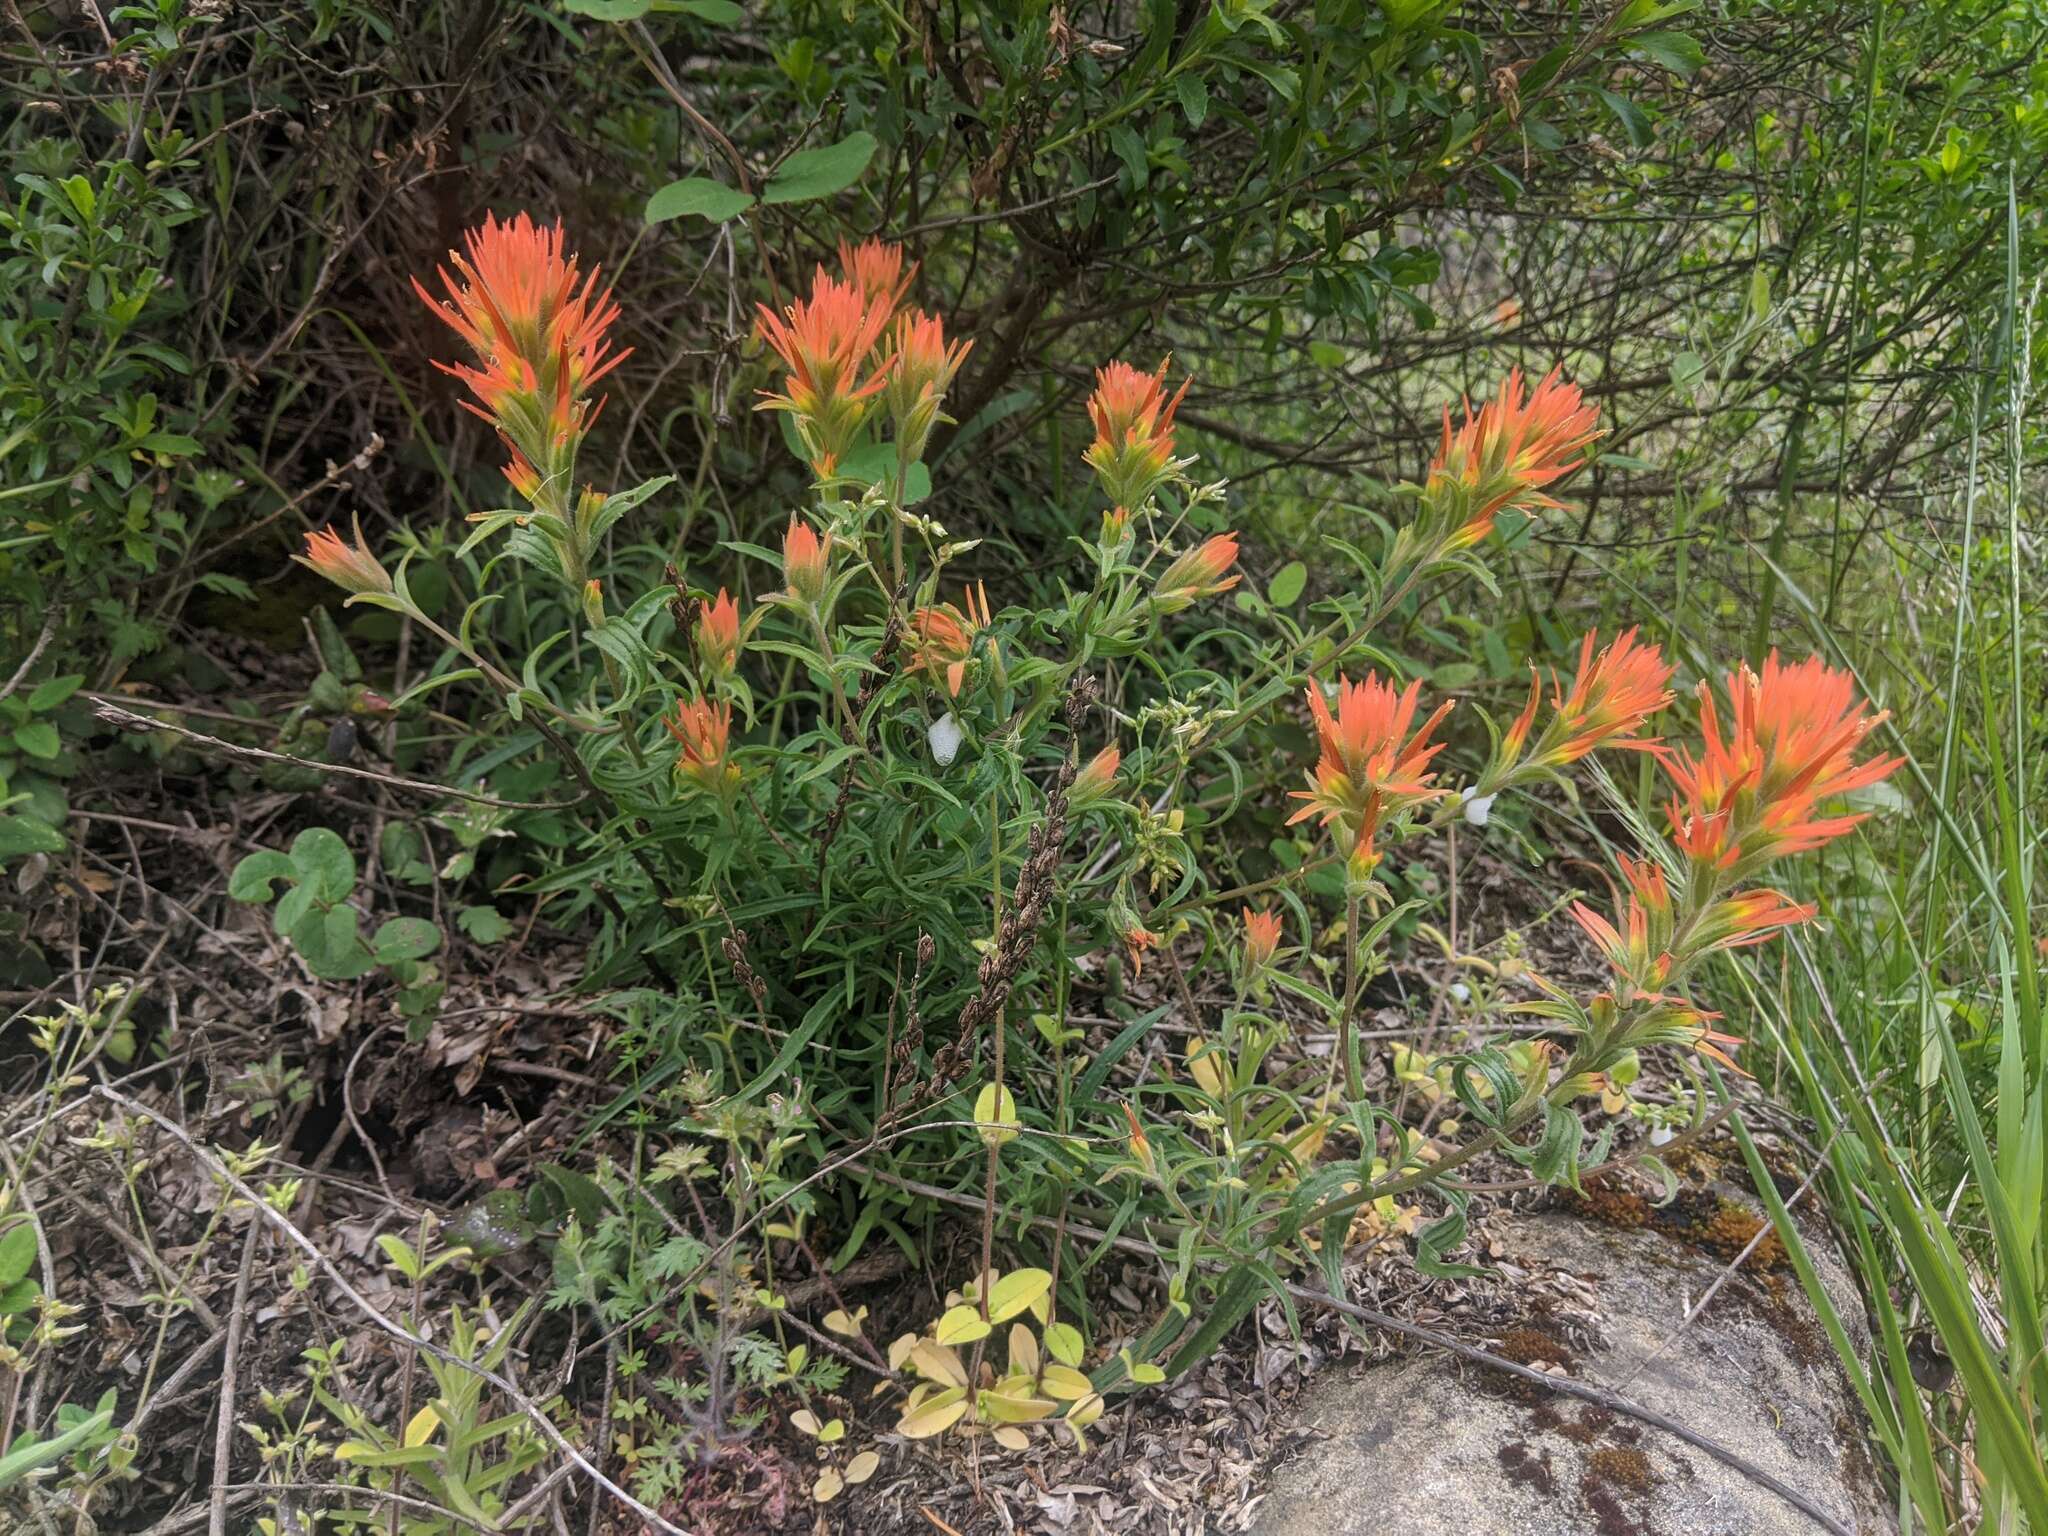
1660, 1134
1461, 992
945, 737
1478, 809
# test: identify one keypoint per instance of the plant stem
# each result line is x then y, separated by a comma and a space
1354, 1089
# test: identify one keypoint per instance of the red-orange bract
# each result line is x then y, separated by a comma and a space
1639, 952
349, 565
1751, 795
704, 730
1509, 449
1096, 779
804, 560
945, 638
537, 326
1133, 449
1371, 763
718, 633
1261, 937
825, 341
1611, 698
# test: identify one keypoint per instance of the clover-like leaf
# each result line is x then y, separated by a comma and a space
254, 876
324, 863
405, 938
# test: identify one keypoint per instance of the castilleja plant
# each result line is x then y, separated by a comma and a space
1500, 458
945, 791
538, 332
1745, 799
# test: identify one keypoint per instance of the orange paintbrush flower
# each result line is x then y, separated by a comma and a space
1262, 933
1096, 779
919, 371
875, 267
718, 633
1506, 452
1141, 1149
537, 327
1640, 951
705, 731
1132, 453
1137, 940
1748, 917
825, 341
1198, 573
349, 565
1371, 763
1791, 744
1611, 698
804, 561
945, 637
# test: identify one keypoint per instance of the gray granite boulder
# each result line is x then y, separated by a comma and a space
1431, 1446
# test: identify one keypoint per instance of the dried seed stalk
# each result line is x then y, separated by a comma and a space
1018, 931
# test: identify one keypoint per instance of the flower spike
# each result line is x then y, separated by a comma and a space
1371, 763
1753, 792
348, 564
1200, 572
1262, 934
825, 341
538, 328
1132, 453
1505, 453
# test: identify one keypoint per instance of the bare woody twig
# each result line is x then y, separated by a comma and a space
113, 714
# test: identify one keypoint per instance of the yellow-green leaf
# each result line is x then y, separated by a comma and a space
995, 1114
1064, 1343
863, 1467
420, 1428
1065, 1383
847, 1327
935, 1415
1016, 1291
937, 1363
1012, 1403
962, 1325
1023, 1350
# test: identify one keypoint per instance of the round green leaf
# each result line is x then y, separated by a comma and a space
405, 938
38, 739
813, 173
324, 863
328, 943
252, 878
25, 834
698, 195
1287, 585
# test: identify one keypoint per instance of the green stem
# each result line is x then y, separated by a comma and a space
1354, 1088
